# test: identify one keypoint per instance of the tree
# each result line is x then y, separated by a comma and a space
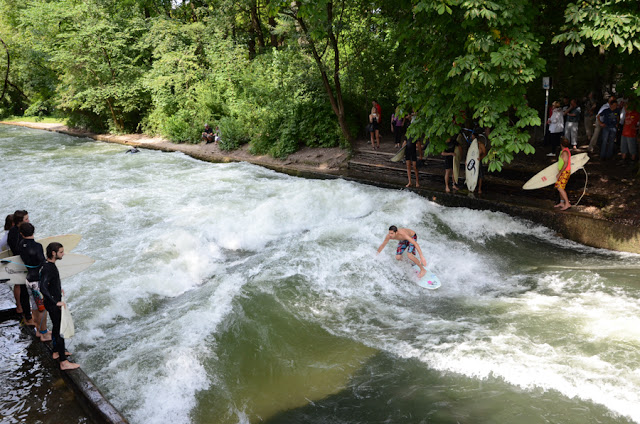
471, 60
318, 25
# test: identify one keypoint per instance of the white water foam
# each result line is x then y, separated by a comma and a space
177, 241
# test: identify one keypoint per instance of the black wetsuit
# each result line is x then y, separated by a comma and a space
33, 257
13, 240
52, 292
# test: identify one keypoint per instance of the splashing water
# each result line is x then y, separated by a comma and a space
231, 293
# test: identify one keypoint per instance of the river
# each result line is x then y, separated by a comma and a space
229, 293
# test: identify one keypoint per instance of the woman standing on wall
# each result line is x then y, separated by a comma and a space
374, 128
397, 125
556, 128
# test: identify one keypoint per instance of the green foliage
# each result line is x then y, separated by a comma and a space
233, 133
472, 62
280, 75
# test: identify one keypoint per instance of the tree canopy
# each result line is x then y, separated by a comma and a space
280, 74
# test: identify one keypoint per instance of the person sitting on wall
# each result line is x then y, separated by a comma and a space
208, 134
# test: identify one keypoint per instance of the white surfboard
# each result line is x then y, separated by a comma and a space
429, 280
13, 270
399, 156
69, 241
457, 155
472, 166
548, 175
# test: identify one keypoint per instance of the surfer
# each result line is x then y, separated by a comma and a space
31, 253
13, 240
407, 241
564, 172
52, 293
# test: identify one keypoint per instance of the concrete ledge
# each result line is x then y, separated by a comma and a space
91, 398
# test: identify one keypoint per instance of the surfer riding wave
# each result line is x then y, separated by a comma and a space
408, 240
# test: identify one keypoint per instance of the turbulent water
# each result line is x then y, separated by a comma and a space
226, 293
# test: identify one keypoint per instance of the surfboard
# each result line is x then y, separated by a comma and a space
472, 166
69, 241
456, 164
399, 156
13, 270
429, 281
548, 175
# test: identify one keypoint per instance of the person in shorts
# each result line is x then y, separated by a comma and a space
408, 240
564, 172
628, 142
449, 153
411, 157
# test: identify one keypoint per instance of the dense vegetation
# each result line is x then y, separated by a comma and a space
281, 74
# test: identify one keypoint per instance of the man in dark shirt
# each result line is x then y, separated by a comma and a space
32, 256
208, 134
52, 293
609, 123
13, 240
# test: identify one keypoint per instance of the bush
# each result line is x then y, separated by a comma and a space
233, 133
182, 127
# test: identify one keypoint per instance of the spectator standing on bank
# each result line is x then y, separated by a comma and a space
572, 122
411, 157
609, 122
397, 126
374, 128
556, 128
448, 154
598, 127
378, 108
628, 143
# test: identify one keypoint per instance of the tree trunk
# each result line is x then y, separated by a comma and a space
256, 24
336, 100
6, 75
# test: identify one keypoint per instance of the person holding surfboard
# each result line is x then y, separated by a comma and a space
32, 255
52, 293
408, 240
13, 240
564, 172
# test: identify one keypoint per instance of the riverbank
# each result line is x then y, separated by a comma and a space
607, 217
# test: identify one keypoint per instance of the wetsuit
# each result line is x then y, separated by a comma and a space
52, 293
33, 257
13, 240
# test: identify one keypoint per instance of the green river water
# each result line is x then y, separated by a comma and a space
228, 293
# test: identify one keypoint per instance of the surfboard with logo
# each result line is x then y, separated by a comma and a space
548, 175
69, 241
472, 166
14, 271
429, 281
